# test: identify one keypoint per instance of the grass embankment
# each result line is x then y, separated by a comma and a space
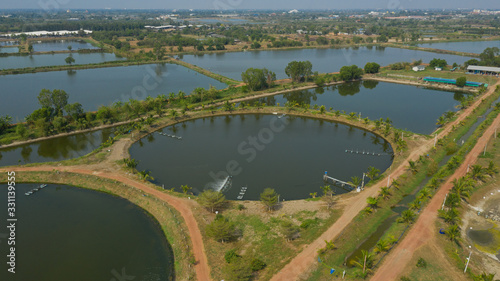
352, 237
169, 219
429, 71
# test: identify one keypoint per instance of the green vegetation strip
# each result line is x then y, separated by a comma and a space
365, 224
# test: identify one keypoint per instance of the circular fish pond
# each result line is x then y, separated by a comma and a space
67, 233
241, 155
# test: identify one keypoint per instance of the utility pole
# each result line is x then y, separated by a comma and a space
363, 182
388, 179
435, 140
468, 260
485, 149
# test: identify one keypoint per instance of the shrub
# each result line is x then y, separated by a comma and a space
421, 263
231, 256
257, 265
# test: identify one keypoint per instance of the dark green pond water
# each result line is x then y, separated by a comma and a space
481, 237
53, 59
468, 47
413, 108
323, 60
62, 45
289, 154
101, 86
66, 233
56, 149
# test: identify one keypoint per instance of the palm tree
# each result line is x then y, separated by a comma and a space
462, 186
395, 184
477, 172
452, 216
145, 175
174, 114
355, 181
407, 216
415, 205
372, 201
453, 232
171, 97
424, 194
413, 166
492, 169
434, 183
441, 121
185, 188
365, 261
384, 192
372, 172
382, 246
313, 194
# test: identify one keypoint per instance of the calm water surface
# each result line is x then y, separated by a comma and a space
409, 107
9, 50
66, 233
468, 47
289, 154
53, 59
62, 45
232, 64
56, 149
101, 86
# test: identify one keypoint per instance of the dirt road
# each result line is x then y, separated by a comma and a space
183, 206
305, 260
424, 229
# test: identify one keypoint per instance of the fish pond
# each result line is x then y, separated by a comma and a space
286, 153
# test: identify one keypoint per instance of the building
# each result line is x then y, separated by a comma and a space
487, 70
453, 82
419, 68
438, 68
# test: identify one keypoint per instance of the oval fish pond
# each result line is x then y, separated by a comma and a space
286, 153
67, 233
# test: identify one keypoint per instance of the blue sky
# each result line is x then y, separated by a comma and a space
250, 4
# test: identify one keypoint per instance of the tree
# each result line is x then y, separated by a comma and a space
384, 192
212, 200
258, 79
328, 197
355, 181
221, 229
453, 232
382, 246
382, 39
413, 166
75, 110
372, 173
299, 70
372, 201
372, 67
289, 230
55, 100
477, 172
408, 216
461, 81
5, 123
70, 48
69, 60
30, 48
159, 52
255, 45
350, 72
365, 261
145, 175
185, 188
438, 63
269, 198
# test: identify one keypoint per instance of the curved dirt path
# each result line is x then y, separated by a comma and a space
183, 206
424, 229
306, 259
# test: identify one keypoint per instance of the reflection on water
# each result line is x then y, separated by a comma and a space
55, 149
409, 107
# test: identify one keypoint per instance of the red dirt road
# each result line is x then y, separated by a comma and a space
424, 229
181, 205
306, 259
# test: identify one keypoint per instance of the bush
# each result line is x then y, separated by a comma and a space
421, 263
231, 256
257, 265
372, 67
308, 222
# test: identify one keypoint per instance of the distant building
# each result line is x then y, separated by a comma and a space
294, 11
488, 70
419, 68
438, 68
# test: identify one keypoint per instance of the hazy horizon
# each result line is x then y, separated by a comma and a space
246, 4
